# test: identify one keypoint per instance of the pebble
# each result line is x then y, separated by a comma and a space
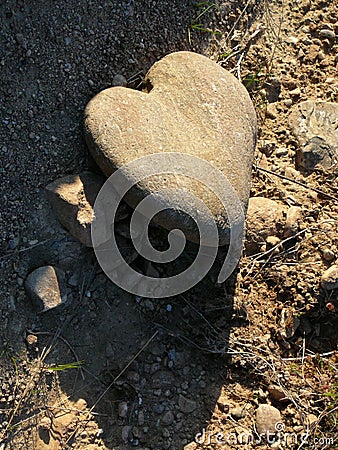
276, 393
168, 418
267, 417
272, 241
295, 92
46, 287
288, 102
237, 412
282, 151
186, 405
264, 217
125, 434
329, 279
119, 80
271, 111
315, 125
140, 418
328, 254
123, 409
32, 340
293, 217
327, 34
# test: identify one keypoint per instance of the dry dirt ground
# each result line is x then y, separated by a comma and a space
114, 372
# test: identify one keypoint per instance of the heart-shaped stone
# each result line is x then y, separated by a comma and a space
192, 106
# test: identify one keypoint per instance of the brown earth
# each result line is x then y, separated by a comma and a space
157, 373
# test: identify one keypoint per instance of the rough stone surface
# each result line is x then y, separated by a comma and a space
72, 199
330, 278
315, 125
189, 105
293, 216
267, 417
186, 405
46, 287
264, 218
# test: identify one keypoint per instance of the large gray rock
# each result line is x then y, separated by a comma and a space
315, 125
189, 105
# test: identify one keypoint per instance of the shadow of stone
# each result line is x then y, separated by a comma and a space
161, 397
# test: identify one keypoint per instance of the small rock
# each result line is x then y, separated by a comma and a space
74, 280
330, 278
276, 393
327, 34
72, 199
292, 40
288, 102
123, 409
328, 254
186, 405
223, 403
264, 217
162, 379
19, 38
45, 423
46, 287
126, 434
271, 111
311, 420
289, 324
31, 340
295, 92
237, 412
158, 408
81, 404
272, 241
267, 417
168, 418
315, 125
282, 151
140, 418
293, 216
119, 80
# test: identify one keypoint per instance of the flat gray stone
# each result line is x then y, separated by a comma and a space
190, 105
315, 125
46, 287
